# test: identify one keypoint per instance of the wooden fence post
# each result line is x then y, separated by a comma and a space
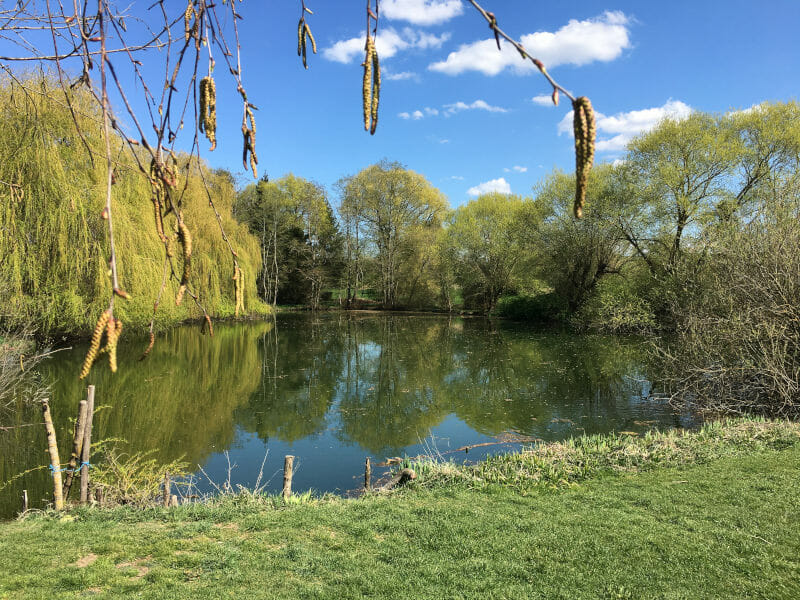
77, 447
55, 461
167, 495
24, 501
288, 467
86, 450
367, 476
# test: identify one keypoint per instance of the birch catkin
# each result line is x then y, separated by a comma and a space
376, 91
185, 239
208, 110
367, 83
94, 346
584, 129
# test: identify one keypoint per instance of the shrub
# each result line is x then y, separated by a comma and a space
541, 307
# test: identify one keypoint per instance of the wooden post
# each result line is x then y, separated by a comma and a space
173, 500
77, 446
367, 476
98, 496
24, 501
167, 496
55, 461
86, 450
288, 466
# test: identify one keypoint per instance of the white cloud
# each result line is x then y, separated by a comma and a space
421, 12
516, 169
577, 43
402, 76
456, 177
543, 100
623, 126
388, 43
499, 185
450, 109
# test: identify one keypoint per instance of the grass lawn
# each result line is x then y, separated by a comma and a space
728, 528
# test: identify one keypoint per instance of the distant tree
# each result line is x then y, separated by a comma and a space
391, 215
486, 243
574, 255
301, 246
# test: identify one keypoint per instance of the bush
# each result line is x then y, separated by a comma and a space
616, 307
738, 329
545, 307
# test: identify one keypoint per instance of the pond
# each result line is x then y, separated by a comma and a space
334, 388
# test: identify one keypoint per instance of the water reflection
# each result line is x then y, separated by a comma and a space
335, 387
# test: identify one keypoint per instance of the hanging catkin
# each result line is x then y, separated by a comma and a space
94, 346
366, 90
149, 346
185, 239
187, 20
237, 286
376, 91
584, 129
113, 331
208, 110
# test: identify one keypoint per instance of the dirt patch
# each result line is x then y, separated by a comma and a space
85, 561
141, 570
234, 526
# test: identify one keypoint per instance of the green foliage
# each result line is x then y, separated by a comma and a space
133, 479
486, 246
544, 307
577, 254
54, 242
391, 219
301, 246
617, 306
577, 459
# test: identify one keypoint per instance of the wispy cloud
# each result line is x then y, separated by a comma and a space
456, 177
402, 76
451, 109
516, 169
388, 43
623, 126
577, 43
499, 186
543, 100
422, 12
419, 114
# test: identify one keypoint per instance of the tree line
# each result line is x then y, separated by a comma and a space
694, 231
652, 220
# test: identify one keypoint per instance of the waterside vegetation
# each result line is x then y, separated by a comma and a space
718, 523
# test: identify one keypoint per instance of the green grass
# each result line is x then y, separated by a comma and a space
726, 527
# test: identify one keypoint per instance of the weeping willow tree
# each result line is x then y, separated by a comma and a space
53, 273
108, 40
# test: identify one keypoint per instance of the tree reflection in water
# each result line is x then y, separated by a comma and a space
361, 383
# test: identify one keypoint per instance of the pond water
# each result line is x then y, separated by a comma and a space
334, 388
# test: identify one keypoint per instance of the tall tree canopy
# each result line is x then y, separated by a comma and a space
391, 217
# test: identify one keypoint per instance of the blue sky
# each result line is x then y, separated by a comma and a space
471, 118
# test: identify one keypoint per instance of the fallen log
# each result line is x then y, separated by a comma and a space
399, 478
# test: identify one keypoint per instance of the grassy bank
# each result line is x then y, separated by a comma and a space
715, 524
